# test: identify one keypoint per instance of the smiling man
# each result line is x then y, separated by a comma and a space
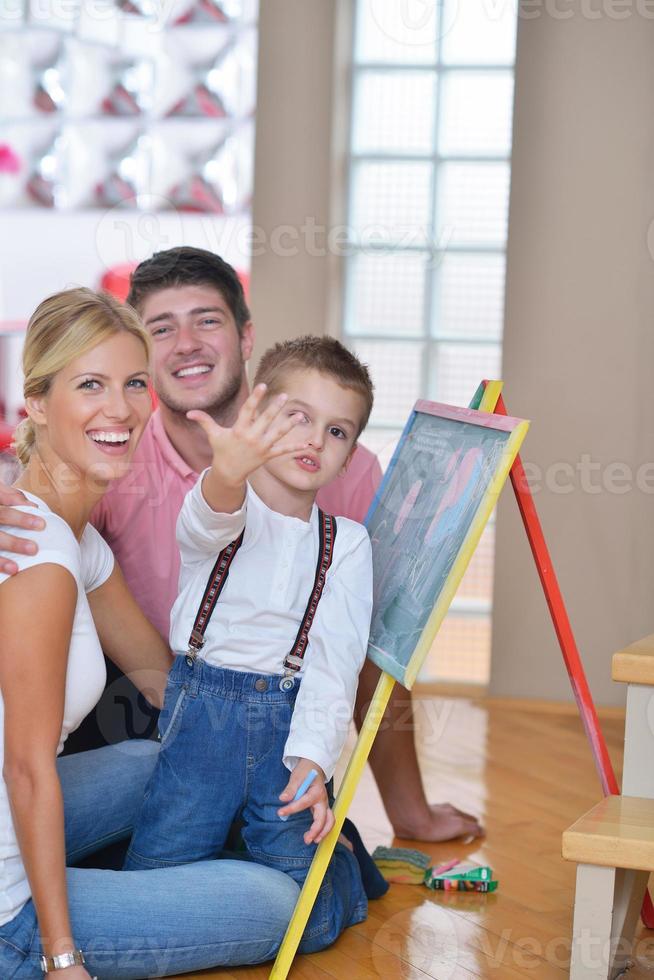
193, 305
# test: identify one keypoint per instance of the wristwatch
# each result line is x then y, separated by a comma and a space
51, 963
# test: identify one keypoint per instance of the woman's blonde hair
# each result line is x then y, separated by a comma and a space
62, 328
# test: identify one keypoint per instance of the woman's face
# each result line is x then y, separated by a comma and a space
94, 414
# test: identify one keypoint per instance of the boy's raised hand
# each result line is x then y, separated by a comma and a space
315, 799
255, 437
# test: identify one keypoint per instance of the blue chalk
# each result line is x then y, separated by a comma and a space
303, 788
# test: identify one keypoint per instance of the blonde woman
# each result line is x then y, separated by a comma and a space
86, 375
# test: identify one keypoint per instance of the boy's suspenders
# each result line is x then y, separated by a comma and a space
216, 583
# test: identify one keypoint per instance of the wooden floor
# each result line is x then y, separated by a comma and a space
529, 773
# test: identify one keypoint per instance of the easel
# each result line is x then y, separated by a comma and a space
488, 398
487, 401
560, 619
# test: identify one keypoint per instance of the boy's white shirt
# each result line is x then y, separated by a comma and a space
259, 611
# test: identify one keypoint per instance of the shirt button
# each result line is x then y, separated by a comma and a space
261, 684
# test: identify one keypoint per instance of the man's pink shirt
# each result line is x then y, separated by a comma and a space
138, 514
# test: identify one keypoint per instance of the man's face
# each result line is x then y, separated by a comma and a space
198, 359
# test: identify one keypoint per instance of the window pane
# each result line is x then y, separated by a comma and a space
479, 32
394, 111
386, 294
391, 203
473, 200
475, 112
469, 300
405, 32
396, 370
477, 584
457, 369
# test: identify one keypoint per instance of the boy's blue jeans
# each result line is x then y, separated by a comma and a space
222, 740
163, 923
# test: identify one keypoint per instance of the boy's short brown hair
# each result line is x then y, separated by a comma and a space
324, 354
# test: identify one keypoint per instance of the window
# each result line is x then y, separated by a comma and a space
429, 169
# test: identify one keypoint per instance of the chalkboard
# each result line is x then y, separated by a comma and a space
438, 493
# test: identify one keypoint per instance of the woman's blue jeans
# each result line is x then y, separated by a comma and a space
137, 924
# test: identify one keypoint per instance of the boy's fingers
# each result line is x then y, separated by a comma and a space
328, 826
209, 425
282, 428
251, 404
319, 816
202, 418
270, 413
311, 798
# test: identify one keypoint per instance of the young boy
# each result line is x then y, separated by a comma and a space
270, 629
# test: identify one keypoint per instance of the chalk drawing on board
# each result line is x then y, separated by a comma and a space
440, 473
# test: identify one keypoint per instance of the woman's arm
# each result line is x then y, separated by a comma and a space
129, 639
37, 608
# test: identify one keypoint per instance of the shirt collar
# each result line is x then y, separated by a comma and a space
167, 449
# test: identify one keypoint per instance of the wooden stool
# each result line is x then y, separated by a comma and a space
613, 845
634, 666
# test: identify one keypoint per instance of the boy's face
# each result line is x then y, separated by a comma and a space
329, 417
198, 357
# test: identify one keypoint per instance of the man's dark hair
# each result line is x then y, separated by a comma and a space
186, 266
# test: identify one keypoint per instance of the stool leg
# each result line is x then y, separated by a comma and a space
628, 897
607, 902
638, 772
591, 930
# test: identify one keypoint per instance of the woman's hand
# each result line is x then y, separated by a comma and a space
254, 439
314, 799
73, 973
10, 499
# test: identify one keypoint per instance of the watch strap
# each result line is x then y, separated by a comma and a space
51, 963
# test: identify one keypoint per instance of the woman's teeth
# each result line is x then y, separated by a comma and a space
119, 437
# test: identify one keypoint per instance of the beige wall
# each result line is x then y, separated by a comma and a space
302, 74
579, 343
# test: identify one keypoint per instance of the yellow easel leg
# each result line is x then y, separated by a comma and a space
492, 392
325, 850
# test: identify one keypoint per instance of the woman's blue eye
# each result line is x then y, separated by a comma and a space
88, 383
138, 382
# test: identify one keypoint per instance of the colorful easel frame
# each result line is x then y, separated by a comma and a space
489, 393
374, 716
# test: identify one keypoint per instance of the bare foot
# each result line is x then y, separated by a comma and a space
441, 822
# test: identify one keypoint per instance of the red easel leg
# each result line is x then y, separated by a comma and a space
566, 639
